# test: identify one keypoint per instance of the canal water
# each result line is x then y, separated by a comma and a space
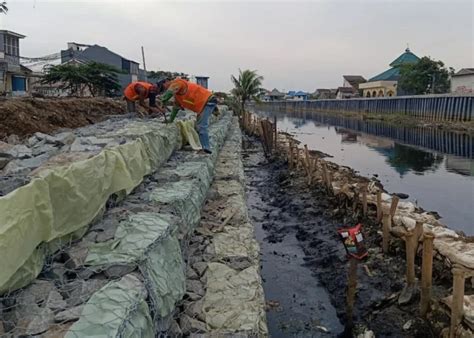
434, 167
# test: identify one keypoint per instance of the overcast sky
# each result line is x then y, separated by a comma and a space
295, 45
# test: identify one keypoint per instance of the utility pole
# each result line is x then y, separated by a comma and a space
144, 65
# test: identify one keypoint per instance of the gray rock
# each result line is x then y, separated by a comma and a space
99, 141
116, 271
4, 160
39, 322
77, 256
408, 324
108, 233
195, 286
80, 291
193, 296
66, 137
55, 301
58, 271
79, 147
195, 310
69, 314
44, 148
37, 292
13, 139
20, 151
33, 140
174, 329
190, 325
191, 274
200, 267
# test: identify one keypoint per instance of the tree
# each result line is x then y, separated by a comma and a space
98, 78
247, 87
159, 74
425, 76
3, 7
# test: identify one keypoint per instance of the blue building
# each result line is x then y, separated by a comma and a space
297, 95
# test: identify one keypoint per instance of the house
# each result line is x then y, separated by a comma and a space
463, 81
296, 95
324, 94
86, 53
14, 77
346, 93
273, 95
353, 81
386, 83
202, 81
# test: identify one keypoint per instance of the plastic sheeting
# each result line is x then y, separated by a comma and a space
189, 134
118, 309
63, 200
233, 300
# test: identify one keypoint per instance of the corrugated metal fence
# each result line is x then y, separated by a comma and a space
429, 107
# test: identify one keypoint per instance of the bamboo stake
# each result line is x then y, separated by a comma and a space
386, 224
379, 206
364, 199
290, 154
458, 300
410, 257
351, 290
307, 160
393, 206
426, 274
275, 131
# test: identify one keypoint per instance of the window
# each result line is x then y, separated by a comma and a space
11, 45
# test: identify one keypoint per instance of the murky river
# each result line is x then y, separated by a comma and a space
435, 168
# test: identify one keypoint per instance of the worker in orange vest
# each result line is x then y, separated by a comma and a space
140, 91
190, 96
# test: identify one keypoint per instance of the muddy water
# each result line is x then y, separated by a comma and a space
298, 306
435, 168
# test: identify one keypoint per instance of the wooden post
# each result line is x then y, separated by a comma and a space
290, 153
386, 224
379, 206
393, 206
351, 291
426, 274
364, 199
275, 131
410, 257
458, 300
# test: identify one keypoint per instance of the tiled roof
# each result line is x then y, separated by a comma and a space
407, 57
465, 71
392, 74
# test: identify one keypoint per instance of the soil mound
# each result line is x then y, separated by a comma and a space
25, 116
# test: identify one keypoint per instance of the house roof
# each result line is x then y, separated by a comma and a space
354, 80
345, 90
465, 71
407, 57
275, 92
301, 93
18, 35
392, 74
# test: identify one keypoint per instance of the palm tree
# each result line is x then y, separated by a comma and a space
247, 86
3, 7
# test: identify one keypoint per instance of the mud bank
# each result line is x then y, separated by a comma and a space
312, 217
297, 304
25, 116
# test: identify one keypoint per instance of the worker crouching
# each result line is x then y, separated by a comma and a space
140, 91
188, 95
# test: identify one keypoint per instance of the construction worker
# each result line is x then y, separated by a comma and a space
193, 97
140, 91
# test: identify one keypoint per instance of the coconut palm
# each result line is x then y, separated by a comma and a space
247, 87
3, 7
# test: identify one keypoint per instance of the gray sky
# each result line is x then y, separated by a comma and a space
295, 45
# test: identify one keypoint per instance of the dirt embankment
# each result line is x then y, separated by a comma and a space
25, 116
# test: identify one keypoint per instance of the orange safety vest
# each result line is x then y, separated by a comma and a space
190, 95
130, 92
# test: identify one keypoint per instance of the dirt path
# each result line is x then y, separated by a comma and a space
291, 210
